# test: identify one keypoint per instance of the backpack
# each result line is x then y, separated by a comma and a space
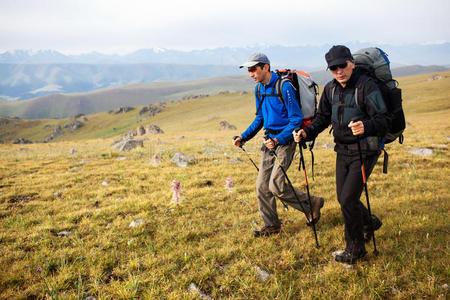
306, 91
375, 63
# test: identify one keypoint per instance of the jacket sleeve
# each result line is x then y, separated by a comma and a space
257, 123
323, 117
295, 116
378, 122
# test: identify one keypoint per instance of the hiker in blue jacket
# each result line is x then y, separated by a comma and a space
279, 120
353, 104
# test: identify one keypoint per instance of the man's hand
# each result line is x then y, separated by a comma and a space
299, 135
356, 127
237, 141
271, 143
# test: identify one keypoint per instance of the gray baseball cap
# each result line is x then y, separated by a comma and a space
255, 59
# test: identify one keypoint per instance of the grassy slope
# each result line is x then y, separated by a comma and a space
206, 240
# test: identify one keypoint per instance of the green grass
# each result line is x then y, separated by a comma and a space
207, 239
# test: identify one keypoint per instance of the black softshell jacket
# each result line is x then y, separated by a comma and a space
338, 106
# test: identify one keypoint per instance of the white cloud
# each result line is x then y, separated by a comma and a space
123, 26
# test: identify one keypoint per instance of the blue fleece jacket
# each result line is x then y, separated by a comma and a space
275, 115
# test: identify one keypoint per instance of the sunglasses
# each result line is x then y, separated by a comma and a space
341, 66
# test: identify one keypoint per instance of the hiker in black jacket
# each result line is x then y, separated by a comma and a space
354, 106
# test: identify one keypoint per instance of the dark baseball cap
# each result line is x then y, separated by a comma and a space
338, 55
255, 59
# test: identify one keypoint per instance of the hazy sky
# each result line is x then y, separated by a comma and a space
121, 26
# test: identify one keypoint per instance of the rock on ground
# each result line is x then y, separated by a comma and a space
224, 125
181, 159
421, 151
153, 129
193, 288
137, 222
262, 275
128, 144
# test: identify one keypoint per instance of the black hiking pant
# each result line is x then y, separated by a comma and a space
349, 186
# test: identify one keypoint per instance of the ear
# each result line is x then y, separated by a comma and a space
352, 64
266, 67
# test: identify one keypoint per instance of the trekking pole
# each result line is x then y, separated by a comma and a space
272, 152
363, 172
302, 160
248, 155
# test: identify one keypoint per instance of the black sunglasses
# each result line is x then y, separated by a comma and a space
341, 66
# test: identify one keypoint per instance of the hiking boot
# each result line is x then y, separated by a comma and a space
266, 231
346, 257
367, 231
317, 204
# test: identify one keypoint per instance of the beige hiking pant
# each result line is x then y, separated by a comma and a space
271, 184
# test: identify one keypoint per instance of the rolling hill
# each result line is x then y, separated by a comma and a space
68, 105
29, 74
420, 93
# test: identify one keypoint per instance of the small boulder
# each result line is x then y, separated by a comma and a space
123, 109
262, 275
153, 129
64, 233
422, 151
195, 290
22, 141
435, 77
140, 130
224, 125
137, 222
181, 159
128, 144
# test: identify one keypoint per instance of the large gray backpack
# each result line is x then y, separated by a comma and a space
376, 64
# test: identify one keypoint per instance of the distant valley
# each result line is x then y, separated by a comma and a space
49, 84
25, 81
58, 105
28, 74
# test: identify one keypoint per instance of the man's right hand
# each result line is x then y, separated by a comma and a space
237, 141
299, 135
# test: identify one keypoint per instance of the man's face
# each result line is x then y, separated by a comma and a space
343, 72
258, 73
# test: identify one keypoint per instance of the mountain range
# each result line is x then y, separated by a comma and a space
48, 77
25, 81
306, 57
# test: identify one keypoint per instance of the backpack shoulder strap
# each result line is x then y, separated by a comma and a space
332, 93
260, 97
279, 88
359, 99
